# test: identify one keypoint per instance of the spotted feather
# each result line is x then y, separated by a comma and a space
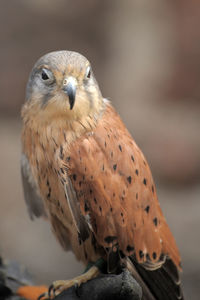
114, 186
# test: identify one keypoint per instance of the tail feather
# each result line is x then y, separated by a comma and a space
160, 284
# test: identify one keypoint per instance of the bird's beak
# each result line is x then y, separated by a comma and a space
69, 87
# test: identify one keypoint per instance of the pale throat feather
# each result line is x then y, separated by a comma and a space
54, 126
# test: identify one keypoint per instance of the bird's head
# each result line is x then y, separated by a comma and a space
62, 83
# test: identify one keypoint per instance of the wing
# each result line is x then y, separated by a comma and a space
115, 192
108, 181
31, 193
79, 219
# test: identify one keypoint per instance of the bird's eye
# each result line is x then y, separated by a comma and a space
44, 75
88, 72
47, 76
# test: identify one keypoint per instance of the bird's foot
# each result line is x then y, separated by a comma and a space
59, 286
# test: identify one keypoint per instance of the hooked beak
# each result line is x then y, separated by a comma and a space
69, 87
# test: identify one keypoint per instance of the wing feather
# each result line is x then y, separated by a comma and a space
114, 187
79, 219
31, 194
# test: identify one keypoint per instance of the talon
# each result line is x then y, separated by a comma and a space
77, 290
43, 296
50, 290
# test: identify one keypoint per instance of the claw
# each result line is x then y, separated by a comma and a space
50, 290
43, 296
77, 291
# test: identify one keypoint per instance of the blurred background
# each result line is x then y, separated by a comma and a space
146, 58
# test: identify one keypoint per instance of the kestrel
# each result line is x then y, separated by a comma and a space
83, 172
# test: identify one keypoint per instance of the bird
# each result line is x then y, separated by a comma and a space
83, 172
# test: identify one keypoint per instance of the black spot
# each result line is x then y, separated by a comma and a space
86, 208
68, 158
154, 255
129, 248
109, 239
120, 148
111, 209
136, 172
147, 208
135, 225
145, 181
152, 188
147, 256
115, 167
64, 134
100, 208
103, 168
74, 177
80, 182
49, 193
129, 178
113, 194
111, 154
155, 220
105, 144
61, 152
108, 136
132, 157
144, 162
47, 182
86, 256
104, 186
61, 169
90, 191
136, 196
95, 200
91, 176
141, 254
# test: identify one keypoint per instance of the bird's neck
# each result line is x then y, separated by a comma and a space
60, 128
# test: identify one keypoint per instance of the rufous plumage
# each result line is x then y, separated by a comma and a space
83, 171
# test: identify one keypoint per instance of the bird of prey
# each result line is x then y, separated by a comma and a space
83, 171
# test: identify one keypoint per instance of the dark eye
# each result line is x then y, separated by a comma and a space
88, 72
44, 75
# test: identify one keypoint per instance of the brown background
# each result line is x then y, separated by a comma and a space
145, 55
